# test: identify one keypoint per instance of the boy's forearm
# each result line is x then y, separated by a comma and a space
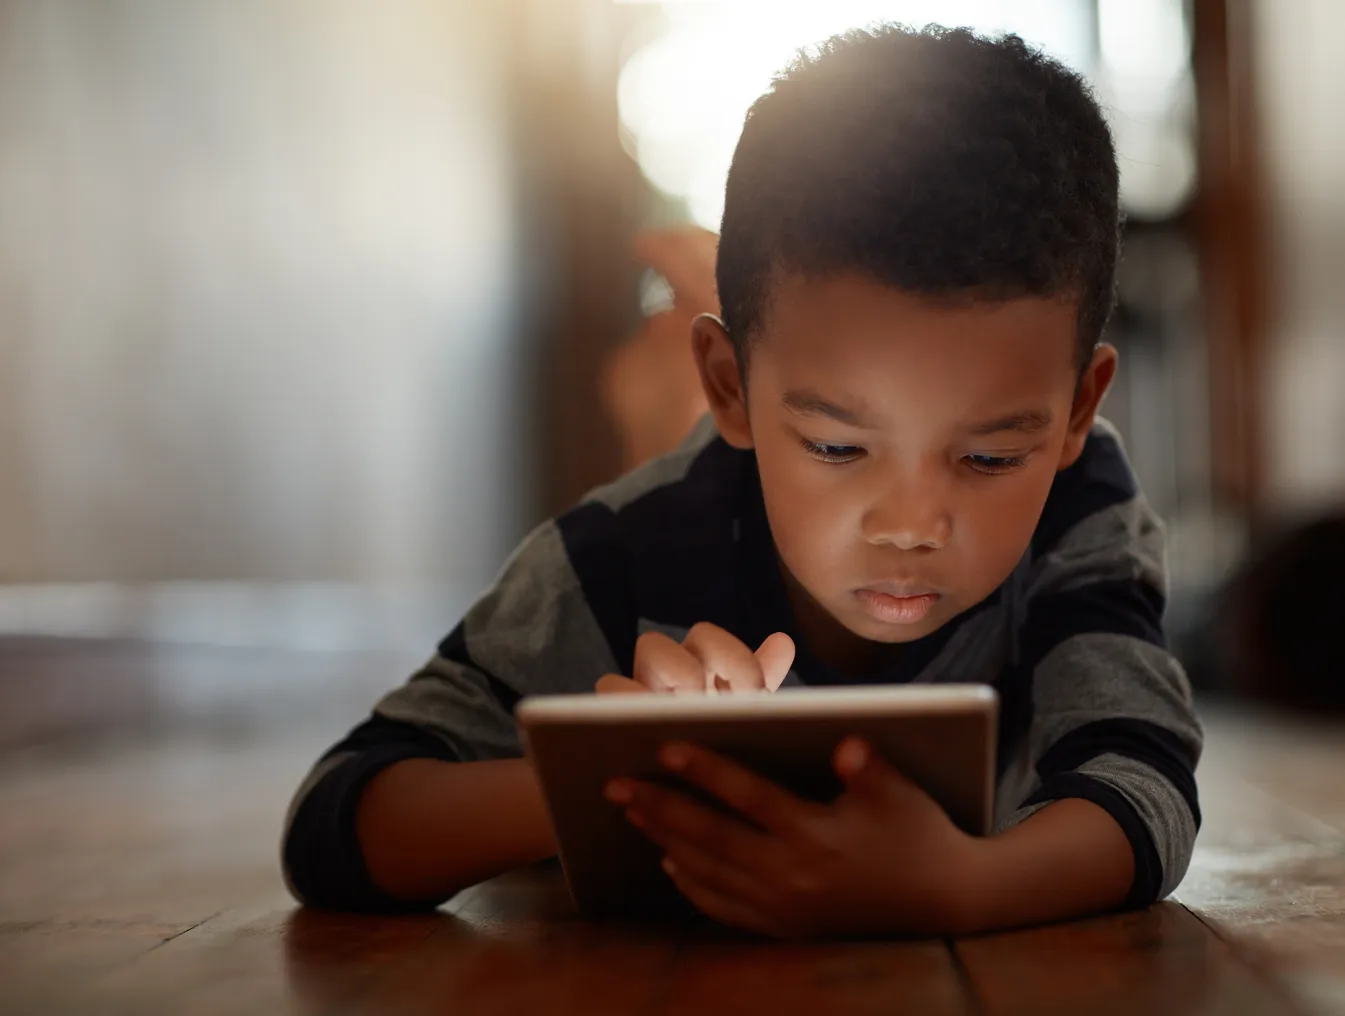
1068, 860
429, 828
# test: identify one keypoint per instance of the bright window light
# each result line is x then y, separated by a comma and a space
1144, 80
683, 97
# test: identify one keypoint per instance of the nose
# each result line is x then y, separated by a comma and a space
909, 514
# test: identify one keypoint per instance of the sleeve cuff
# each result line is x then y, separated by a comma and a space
322, 851
1148, 879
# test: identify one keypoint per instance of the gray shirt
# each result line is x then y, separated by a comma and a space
1092, 703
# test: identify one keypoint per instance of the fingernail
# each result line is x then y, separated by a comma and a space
854, 754
675, 757
619, 792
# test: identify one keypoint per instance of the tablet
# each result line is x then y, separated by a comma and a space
942, 736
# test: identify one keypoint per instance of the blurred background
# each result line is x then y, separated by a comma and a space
308, 311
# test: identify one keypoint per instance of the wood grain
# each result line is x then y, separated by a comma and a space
1268, 873
848, 979
517, 945
139, 874
1159, 961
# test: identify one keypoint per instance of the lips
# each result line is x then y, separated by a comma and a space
899, 603
901, 590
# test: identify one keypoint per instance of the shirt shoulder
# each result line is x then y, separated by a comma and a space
1097, 536
1100, 479
659, 546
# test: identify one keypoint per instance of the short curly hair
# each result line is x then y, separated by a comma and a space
936, 161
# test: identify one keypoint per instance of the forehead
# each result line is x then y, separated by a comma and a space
854, 337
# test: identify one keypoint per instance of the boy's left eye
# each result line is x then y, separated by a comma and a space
993, 464
831, 452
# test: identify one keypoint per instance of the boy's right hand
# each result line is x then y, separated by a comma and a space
708, 660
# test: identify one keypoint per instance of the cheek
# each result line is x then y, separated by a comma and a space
811, 518
997, 522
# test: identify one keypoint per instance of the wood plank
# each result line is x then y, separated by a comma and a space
732, 976
142, 877
516, 945
1157, 961
1269, 876
269, 957
519, 900
163, 833
46, 966
715, 970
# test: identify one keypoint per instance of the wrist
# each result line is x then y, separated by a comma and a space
967, 902
534, 799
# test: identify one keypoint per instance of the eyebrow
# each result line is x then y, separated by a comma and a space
810, 403
1030, 421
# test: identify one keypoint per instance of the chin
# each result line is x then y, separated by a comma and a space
894, 634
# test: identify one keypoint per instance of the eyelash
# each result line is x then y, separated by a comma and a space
990, 465
993, 465
835, 454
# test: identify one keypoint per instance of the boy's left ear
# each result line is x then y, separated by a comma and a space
721, 380
1087, 397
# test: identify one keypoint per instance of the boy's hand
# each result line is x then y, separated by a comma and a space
883, 858
709, 660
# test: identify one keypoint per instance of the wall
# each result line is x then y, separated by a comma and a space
256, 315
1301, 80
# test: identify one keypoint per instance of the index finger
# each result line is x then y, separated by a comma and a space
765, 804
664, 665
776, 656
723, 655
615, 684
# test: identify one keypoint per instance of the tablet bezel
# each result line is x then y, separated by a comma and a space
584, 732
889, 700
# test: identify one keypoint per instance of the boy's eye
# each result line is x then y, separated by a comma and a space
832, 452
993, 464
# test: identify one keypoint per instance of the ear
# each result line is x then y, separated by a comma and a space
720, 379
1087, 397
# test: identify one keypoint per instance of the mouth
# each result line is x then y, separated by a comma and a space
897, 603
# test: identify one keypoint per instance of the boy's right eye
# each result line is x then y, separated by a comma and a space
831, 452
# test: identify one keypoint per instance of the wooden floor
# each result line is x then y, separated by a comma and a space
141, 801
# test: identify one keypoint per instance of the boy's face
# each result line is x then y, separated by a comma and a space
906, 447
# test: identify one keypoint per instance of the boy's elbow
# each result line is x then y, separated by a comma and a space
324, 874
1166, 818
321, 859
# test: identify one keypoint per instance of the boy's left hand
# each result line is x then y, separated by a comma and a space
882, 858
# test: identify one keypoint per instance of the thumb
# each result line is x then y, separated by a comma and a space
865, 773
776, 656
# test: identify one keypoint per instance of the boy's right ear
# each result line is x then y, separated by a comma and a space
721, 379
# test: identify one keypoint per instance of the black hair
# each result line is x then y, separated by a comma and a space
937, 161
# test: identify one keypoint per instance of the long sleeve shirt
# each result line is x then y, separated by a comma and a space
1093, 705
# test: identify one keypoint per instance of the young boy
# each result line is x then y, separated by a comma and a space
903, 481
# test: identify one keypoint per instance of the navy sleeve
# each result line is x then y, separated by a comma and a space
322, 857
1110, 713
533, 632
